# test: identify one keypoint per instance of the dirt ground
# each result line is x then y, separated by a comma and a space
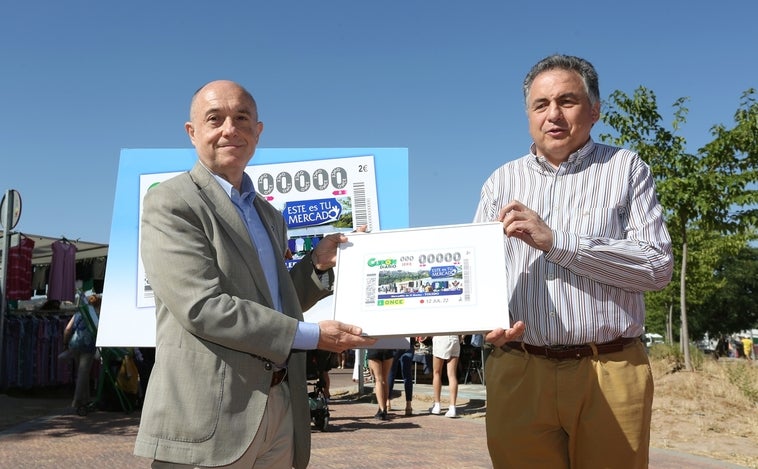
701, 412
710, 412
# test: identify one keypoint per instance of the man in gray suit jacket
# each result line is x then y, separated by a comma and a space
228, 387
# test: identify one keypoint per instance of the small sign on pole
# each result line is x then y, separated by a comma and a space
11, 202
10, 212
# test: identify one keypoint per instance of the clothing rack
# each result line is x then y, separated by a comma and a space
31, 345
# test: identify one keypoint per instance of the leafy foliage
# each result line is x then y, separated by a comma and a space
709, 197
731, 306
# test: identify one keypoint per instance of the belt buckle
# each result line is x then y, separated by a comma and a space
559, 352
556, 349
560, 348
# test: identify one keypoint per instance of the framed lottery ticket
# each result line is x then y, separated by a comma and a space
315, 197
318, 190
423, 281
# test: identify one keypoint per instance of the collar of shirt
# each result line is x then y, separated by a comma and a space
247, 183
574, 157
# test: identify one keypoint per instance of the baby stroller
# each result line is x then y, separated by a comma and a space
317, 399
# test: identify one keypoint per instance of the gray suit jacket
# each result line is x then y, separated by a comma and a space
217, 334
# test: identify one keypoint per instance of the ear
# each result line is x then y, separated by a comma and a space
258, 131
596, 112
190, 131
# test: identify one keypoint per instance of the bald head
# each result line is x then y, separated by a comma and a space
224, 128
222, 85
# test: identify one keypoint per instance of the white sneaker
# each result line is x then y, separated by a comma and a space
451, 412
435, 409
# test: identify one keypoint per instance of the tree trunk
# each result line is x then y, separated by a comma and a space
685, 338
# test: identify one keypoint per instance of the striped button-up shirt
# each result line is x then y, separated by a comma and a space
610, 244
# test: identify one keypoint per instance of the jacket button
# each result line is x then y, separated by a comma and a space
267, 366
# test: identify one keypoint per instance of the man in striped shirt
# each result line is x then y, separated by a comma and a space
585, 238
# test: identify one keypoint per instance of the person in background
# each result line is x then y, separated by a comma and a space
323, 365
446, 350
403, 361
228, 388
360, 367
737, 349
380, 363
144, 358
585, 238
80, 341
722, 348
747, 347
423, 353
342, 358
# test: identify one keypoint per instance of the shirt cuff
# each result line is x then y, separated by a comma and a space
306, 336
565, 248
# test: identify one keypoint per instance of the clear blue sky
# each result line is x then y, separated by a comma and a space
79, 81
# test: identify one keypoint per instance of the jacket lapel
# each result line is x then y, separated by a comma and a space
221, 205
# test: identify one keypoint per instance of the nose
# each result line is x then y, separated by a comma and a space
554, 112
229, 129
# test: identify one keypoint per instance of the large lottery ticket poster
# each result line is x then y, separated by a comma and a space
318, 191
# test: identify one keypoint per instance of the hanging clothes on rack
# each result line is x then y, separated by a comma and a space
19, 278
98, 274
39, 279
62, 281
31, 347
84, 274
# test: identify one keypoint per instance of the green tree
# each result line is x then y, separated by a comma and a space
707, 248
734, 301
712, 191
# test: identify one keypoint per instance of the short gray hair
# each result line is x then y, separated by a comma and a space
566, 62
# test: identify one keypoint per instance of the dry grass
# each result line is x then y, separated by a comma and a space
712, 411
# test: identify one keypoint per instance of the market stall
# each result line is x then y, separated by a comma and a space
43, 275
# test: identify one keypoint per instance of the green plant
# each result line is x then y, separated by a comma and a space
672, 354
745, 378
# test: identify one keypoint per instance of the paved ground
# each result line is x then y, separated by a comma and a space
61, 438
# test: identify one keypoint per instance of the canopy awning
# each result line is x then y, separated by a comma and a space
43, 250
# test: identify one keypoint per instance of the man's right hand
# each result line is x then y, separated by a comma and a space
336, 336
500, 336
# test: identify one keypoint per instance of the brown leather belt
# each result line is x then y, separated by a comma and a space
278, 376
565, 352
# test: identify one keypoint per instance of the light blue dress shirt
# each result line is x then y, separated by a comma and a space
307, 334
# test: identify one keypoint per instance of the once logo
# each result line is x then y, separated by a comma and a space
390, 302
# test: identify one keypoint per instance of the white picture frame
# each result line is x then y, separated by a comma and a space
439, 280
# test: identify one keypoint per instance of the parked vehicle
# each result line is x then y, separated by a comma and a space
651, 339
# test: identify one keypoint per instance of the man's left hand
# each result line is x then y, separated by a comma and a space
500, 336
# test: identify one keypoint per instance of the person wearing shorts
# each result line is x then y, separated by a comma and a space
380, 363
445, 349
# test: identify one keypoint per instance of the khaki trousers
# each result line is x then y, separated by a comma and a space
586, 413
273, 445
